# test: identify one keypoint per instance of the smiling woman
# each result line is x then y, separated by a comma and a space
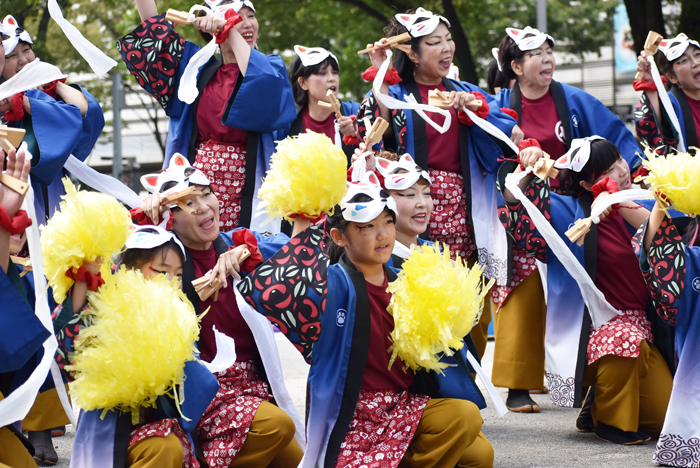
242, 98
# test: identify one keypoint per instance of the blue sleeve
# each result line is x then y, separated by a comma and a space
268, 245
350, 107
57, 127
93, 123
502, 98
264, 100
590, 117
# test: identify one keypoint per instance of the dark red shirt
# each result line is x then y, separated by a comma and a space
326, 127
539, 120
212, 105
377, 374
443, 149
223, 314
695, 110
617, 268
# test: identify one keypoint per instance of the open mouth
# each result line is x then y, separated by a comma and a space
333, 88
546, 74
382, 249
208, 224
446, 63
248, 36
420, 217
16, 237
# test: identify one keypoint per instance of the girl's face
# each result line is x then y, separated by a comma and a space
17, 242
318, 84
14, 62
248, 28
415, 205
687, 70
368, 244
537, 67
436, 53
166, 263
619, 172
197, 231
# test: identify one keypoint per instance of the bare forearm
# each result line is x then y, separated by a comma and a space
146, 8
655, 220
300, 225
241, 49
73, 96
634, 214
4, 249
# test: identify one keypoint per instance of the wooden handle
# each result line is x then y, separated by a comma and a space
376, 132
392, 42
15, 184
578, 231
441, 99
177, 16
205, 289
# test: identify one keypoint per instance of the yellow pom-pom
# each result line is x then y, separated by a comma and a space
435, 303
142, 333
307, 176
676, 176
87, 225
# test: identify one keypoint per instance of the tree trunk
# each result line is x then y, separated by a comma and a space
463, 54
644, 16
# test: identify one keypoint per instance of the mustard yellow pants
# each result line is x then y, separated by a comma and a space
46, 413
12, 451
631, 393
480, 332
449, 434
518, 359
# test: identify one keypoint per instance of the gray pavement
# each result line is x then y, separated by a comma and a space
548, 439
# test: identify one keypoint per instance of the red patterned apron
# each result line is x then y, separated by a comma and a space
621, 336
224, 165
523, 266
381, 429
164, 428
448, 223
225, 424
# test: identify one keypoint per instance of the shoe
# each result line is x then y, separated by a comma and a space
617, 436
58, 431
542, 391
44, 452
645, 437
519, 401
584, 421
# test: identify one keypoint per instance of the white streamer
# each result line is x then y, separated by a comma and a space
491, 129
599, 309
34, 74
619, 197
98, 61
225, 353
498, 404
102, 182
188, 92
359, 167
663, 95
393, 103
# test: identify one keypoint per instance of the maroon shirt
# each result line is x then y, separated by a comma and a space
223, 314
443, 149
211, 108
377, 374
617, 268
326, 127
695, 110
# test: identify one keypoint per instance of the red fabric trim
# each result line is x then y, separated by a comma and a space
526, 143
232, 19
50, 88
606, 185
244, 236
17, 225
640, 85
17, 111
349, 139
392, 76
82, 274
142, 219
481, 112
510, 112
641, 172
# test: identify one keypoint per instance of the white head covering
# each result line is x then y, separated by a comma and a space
495, 51
421, 23
528, 38
578, 155
674, 48
177, 177
11, 28
365, 200
401, 174
150, 237
311, 56
220, 10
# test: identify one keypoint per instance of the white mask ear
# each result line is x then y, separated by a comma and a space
150, 182
178, 160
407, 158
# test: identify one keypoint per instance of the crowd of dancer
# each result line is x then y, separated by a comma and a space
627, 358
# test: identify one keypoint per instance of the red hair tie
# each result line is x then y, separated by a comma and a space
392, 76
17, 225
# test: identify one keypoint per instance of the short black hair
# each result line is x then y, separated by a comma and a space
298, 70
603, 155
508, 51
496, 79
136, 258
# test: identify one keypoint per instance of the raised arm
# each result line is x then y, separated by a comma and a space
146, 8
10, 201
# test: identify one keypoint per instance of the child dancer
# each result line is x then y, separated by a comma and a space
632, 380
361, 413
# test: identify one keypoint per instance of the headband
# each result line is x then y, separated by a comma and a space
365, 200
419, 28
578, 155
401, 174
150, 237
177, 177
311, 56
528, 38
674, 48
217, 6
15, 34
495, 51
